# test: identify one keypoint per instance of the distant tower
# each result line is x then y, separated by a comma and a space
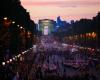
59, 21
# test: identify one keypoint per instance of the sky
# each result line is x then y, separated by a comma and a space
67, 9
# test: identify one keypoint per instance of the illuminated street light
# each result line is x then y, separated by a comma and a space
21, 27
13, 58
5, 18
7, 61
13, 22
18, 25
27, 50
93, 49
10, 60
3, 63
23, 53
98, 50
19, 55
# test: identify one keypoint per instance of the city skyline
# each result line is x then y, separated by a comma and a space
67, 9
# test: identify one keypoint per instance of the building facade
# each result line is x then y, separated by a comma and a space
46, 26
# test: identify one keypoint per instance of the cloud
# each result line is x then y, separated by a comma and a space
67, 9
61, 3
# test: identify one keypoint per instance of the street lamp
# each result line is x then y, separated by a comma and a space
10, 60
18, 55
13, 22
18, 25
3, 63
21, 27
13, 58
5, 18
6, 22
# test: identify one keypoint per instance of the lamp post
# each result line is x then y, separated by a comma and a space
6, 22
5, 18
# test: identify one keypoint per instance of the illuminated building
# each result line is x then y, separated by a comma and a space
46, 26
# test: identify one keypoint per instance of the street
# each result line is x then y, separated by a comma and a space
53, 60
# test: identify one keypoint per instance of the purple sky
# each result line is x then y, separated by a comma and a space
67, 9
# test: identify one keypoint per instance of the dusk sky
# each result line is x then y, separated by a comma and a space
67, 9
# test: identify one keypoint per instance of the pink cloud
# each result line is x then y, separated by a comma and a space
67, 9
61, 3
